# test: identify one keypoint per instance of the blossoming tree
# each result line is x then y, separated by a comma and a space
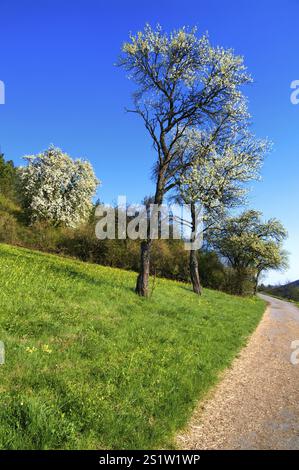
223, 160
251, 246
57, 188
182, 82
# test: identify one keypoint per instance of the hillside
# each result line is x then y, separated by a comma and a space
288, 291
91, 365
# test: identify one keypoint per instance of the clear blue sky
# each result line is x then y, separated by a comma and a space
57, 61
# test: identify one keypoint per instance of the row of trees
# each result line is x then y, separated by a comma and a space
47, 205
189, 96
36, 218
288, 291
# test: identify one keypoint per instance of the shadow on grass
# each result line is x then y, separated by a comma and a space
89, 278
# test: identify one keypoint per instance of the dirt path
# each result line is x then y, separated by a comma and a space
256, 405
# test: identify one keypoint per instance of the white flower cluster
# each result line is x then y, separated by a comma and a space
153, 55
221, 167
57, 188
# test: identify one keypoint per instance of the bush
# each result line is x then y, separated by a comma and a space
8, 228
8, 205
238, 282
211, 270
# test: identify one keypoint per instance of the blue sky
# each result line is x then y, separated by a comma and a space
57, 62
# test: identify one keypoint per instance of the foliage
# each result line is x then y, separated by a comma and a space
288, 291
57, 188
88, 362
8, 228
9, 206
8, 178
250, 245
212, 272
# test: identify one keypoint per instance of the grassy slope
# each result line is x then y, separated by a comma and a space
91, 365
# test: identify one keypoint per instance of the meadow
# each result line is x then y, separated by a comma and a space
90, 365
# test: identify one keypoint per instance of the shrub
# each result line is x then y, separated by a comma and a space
8, 228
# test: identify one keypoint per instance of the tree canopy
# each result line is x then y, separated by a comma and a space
7, 177
57, 188
251, 245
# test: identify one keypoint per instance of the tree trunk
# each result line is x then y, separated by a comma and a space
193, 265
194, 273
145, 249
256, 284
143, 276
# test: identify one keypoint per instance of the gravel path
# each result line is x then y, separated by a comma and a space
256, 404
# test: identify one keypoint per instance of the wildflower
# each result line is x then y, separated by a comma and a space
31, 350
46, 348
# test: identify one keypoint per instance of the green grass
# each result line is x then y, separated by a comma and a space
91, 365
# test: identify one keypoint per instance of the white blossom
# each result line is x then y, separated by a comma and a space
221, 166
57, 188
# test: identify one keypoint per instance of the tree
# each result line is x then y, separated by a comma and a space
224, 159
182, 82
7, 177
57, 188
268, 255
251, 246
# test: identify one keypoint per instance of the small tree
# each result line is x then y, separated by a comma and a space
224, 159
57, 188
251, 246
269, 255
182, 82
